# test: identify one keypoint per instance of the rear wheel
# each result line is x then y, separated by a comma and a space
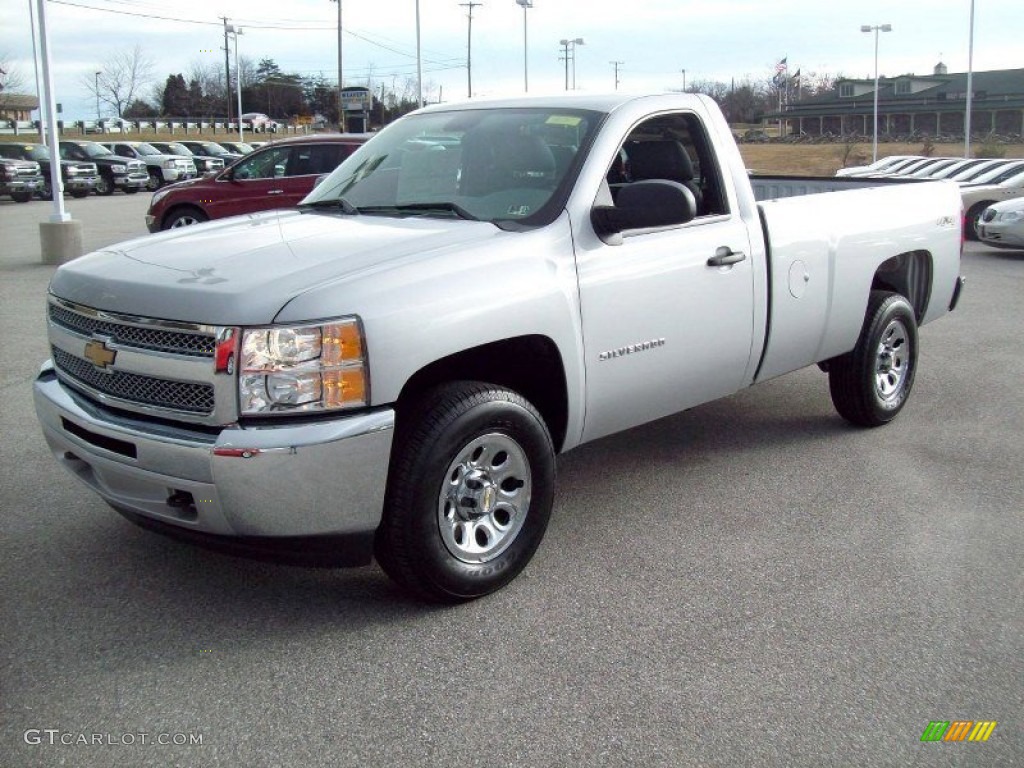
871, 384
469, 492
184, 217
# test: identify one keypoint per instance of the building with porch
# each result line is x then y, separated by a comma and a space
916, 105
17, 107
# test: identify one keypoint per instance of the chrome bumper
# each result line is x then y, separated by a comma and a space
321, 478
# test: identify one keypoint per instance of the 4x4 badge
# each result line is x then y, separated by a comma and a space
98, 354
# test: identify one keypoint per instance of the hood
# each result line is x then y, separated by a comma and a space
243, 270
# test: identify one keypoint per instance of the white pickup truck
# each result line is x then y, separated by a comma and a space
392, 367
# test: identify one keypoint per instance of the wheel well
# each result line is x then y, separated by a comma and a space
177, 209
529, 365
908, 274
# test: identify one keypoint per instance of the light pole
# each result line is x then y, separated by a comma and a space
419, 61
970, 87
876, 28
684, 81
235, 32
526, 78
569, 47
97, 98
341, 79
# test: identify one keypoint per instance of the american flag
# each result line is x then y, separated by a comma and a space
782, 66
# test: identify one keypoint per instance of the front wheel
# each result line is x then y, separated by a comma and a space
104, 186
973, 217
871, 384
469, 492
21, 197
184, 217
155, 181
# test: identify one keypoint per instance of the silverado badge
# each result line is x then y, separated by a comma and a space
98, 354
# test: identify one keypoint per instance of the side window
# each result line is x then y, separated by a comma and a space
673, 147
263, 165
123, 151
314, 159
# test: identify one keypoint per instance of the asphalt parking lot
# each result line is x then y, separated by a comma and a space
749, 583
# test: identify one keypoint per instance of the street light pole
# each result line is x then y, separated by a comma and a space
526, 77
876, 28
419, 61
341, 78
97, 97
569, 48
684, 81
970, 87
236, 31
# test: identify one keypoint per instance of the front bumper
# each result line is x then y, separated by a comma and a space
131, 181
176, 174
314, 479
80, 183
1001, 235
15, 186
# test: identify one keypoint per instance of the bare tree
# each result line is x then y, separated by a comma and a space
11, 79
121, 78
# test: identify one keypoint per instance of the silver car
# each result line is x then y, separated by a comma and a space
1002, 224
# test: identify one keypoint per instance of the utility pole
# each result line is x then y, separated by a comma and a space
469, 46
227, 69
526, 4
616, 64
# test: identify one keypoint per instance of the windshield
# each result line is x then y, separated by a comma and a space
147, 149
240, 147
214, 149
94, 150
177, 149
510, 165
38, 152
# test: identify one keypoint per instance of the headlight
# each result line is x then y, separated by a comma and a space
303, 368
169, 164
119, 169
73, 171
1011, 216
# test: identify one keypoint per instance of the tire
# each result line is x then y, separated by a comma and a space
104, 186
155, 181
80, 193
469, 492
21, 197
972, 217
130, 190
871, 384
45, 192
184, 217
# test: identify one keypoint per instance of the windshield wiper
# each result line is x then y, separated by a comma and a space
445, 206
339, 202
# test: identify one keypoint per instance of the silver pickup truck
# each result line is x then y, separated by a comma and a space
392, 367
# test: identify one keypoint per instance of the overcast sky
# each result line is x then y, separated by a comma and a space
654, 39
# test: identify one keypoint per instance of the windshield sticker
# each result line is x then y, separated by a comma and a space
563, 120
518, 210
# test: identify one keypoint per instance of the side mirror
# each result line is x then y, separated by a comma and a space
643, 205
279, 170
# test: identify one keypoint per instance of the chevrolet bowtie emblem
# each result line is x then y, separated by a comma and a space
97, 353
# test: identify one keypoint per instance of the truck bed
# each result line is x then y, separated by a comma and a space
770, 187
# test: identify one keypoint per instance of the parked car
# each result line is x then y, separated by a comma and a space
396, 363
879, 165
276, 176
114, 172
108, 125
261, 123
204, 163
1002, 224
19, 179
237, 147
969, 173
162, 167
211, 149
996, 173
977, 197
79, 177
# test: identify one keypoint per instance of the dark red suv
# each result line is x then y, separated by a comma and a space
278, 175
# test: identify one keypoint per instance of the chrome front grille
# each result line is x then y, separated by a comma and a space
190, 397
143, 337
164, 368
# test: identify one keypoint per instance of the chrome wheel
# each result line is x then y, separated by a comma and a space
104, 186
154, 182
891, 361
485, 498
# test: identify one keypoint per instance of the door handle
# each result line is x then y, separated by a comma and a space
725, 256
276, 192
